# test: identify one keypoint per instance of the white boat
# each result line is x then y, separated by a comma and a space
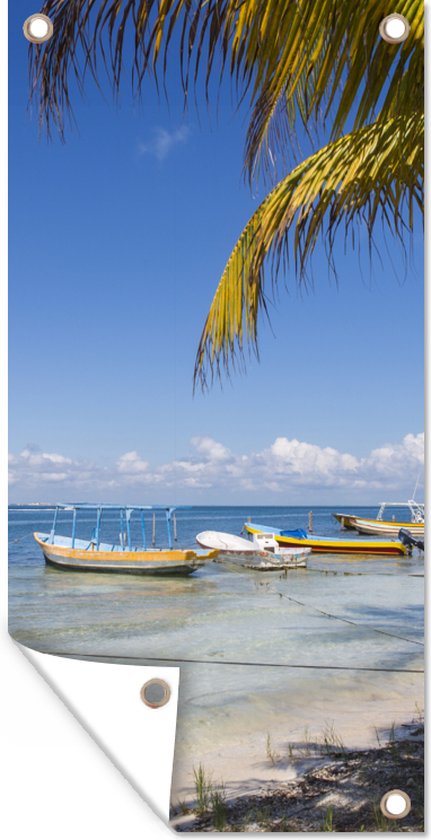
262, 552
390, 529
387, 527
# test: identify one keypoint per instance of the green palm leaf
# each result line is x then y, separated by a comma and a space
376, 169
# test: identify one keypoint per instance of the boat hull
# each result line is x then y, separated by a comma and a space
390, 529
264, 560
326, 545
345, 520
223, 542
238, 551
150, 561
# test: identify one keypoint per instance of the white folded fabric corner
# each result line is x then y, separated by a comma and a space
105, 698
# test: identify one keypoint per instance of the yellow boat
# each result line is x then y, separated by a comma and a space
388, 528
345, 520
329, 545
74, 554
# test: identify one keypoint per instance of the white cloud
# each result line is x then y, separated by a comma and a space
288, 470
390, 459
31, 470
163, 142
132, 469
54, 476
311, 462
131, 464
36, 458
210, 448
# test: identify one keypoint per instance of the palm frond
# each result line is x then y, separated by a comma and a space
310, 54
332, 61
374, 171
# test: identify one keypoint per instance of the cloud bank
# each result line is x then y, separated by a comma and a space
287, 471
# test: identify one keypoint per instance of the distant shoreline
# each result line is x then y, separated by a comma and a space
287, 506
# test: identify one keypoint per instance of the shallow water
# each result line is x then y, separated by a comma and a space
362, 615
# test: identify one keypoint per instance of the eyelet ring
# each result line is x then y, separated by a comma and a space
38, 28
395, 804
394, 28
155, 693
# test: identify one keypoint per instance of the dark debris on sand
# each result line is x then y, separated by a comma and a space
343, 795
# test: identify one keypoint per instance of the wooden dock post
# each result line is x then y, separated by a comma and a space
310, 522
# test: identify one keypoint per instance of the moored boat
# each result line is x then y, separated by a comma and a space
345, 520
329, 545
262, 552
93, 555
385, 527
390, 529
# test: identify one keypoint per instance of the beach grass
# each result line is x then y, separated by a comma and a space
343, 794
328, 825
272, 756
332, 742
210, 798
203, 789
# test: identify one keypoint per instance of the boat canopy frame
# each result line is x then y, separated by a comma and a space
125, 515
417, 509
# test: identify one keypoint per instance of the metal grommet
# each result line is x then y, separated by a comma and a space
155, 693
395, 804
394, 28
38, 28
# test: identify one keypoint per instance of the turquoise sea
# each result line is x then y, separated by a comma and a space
341, 640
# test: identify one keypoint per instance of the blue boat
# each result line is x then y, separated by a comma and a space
94, 555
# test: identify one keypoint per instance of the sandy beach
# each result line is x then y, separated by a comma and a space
342, 792
287, 733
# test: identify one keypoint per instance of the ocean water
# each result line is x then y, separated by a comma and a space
339, 640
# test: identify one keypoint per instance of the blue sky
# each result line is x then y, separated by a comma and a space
117, 240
